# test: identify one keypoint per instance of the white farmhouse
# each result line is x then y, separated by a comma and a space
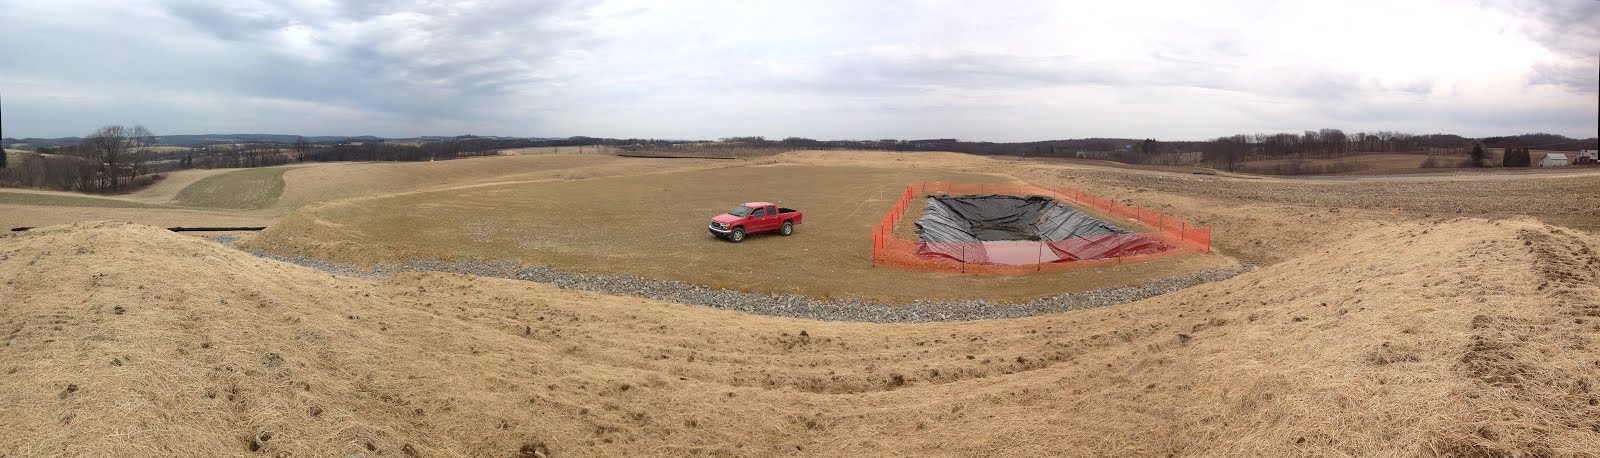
1553, 160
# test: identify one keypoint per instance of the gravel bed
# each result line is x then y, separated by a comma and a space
786, 305
225, 239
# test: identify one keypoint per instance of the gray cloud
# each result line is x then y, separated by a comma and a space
1568, 27
437, 60
1571, 30
228, 23
884, 71
1578, 77
895, 68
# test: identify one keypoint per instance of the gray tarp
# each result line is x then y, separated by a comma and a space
1013, 230
990, 218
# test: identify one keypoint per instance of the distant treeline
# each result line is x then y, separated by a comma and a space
69, 173
1222, 152
118, 159
112, 159
121, 159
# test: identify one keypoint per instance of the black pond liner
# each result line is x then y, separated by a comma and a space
1017, 230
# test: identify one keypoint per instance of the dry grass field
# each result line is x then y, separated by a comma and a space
1398, 164
1437, 315
240, 189
1365, 164
165, 192
52, 199
654, 226
328, 182
306, 184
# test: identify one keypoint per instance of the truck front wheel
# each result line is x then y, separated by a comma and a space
737, 235
788, 228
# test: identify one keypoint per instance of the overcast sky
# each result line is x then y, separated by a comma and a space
978, 70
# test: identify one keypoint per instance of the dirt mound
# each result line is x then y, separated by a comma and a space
1465, 337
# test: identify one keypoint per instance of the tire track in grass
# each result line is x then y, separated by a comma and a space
864, 197
60, 200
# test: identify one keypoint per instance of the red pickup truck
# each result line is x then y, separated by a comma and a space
753, 217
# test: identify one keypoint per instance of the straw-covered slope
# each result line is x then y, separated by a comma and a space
1465, 337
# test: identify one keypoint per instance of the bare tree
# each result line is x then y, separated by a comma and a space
302, 148
1516, 157
3, 153
254, 153
140, 148
109, 146
116, 148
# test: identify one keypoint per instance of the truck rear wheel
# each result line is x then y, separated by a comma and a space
788, 228
737, 235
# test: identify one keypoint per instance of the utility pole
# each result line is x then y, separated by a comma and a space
3, 153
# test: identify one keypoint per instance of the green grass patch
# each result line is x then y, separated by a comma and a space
239, 190
56, 200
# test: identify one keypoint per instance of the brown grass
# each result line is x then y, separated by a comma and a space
1360, 164
63, 199
127, 340
165, 192
327, 182
655, 226
239, 189
317, 182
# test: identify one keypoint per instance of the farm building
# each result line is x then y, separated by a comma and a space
1587, 156
1553, 160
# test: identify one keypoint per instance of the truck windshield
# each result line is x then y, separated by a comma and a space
740, 211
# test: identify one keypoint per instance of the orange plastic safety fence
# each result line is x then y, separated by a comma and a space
1170, 235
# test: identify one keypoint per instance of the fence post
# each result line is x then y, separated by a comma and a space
964, 258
